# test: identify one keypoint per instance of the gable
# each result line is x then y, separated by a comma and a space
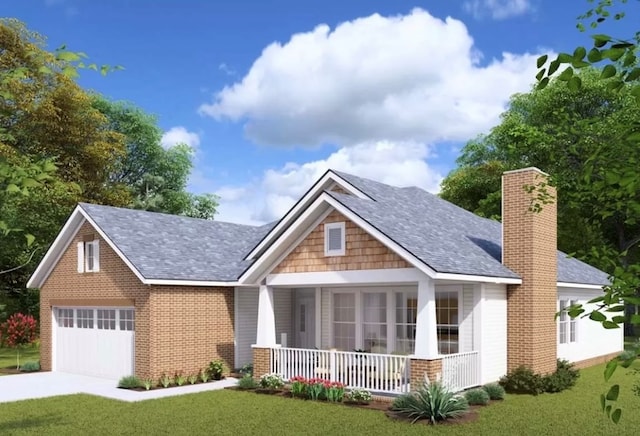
362, 251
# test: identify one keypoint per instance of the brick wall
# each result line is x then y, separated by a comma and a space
261, 364
362, 251
529, 248
177, 328
421, 367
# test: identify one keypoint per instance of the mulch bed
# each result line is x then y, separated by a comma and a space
471, 416
153, 388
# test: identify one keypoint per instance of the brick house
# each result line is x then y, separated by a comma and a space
361, 282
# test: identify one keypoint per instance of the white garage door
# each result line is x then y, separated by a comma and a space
96, 341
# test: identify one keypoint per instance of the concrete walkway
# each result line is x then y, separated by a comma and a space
50, 384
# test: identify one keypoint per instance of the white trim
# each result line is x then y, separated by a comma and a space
54, 339
318, 308
235, 328
333, 226
526, 170
353, 277
164, 282
80, 253
328, 180
481, 279
579, 285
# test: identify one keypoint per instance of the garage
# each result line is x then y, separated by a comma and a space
95, 341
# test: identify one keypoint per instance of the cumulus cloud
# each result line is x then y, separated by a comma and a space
497, 9
268, 199
401, 78
180, 135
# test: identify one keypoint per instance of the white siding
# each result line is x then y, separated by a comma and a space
283, 312
466, 323
592, 339
246, 324
493, 330
326, 319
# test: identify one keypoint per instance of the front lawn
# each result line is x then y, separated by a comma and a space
8, 356
574, 412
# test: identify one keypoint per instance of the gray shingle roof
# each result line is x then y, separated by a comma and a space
173, 247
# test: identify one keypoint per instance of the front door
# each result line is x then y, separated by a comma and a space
305, 321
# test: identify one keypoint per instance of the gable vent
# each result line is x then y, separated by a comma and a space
334, 239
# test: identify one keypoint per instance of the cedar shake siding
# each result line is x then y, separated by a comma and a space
529, 249
177, 328
362, 252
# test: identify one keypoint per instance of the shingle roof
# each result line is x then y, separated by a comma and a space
172, 247
445, 237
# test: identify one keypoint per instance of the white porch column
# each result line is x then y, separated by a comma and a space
266, 333
426, 329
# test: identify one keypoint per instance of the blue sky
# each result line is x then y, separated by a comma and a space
271, 93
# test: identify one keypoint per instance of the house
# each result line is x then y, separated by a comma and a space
360, 282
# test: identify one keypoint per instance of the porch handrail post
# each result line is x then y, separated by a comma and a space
332, 365
266, 331
426, 344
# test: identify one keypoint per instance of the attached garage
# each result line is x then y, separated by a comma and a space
94, 341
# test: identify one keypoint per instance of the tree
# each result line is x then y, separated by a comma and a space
18, 331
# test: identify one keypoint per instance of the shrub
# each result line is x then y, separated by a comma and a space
271, 381
359, 396
31, 366
193, 378
165, 380
432, 401
216, 368
180, 379
148, 383
564, 378
522, 381
495, 391
129, 382
477, 397
246, 369
247, 382
204, 375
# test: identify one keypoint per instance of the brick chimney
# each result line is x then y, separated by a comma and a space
529, 243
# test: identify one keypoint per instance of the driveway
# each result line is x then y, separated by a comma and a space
50, 384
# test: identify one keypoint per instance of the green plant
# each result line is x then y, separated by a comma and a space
193, 378
316, 389
216, 369
564, 378
334, 391
148, 383
30, 366
180, 379
129, 382
165, 380
477, 396
271, 381
247, 382
204, 375
495, 391
522, 380
432, 401
246, 369
299, 387
358, 395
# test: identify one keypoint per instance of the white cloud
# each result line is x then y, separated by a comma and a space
497, 9
267, 199
180, 135
226, 69
401, 78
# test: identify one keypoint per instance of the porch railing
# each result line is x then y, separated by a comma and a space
384, 373
461, 371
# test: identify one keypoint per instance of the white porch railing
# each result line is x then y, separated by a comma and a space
461, 371
383, 373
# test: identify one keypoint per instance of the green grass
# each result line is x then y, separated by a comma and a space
8, 356
574, 412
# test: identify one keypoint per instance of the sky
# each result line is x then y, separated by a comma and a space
272, 93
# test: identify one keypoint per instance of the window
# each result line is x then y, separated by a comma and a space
89, 256
566, 324
84, 318
65, 317
344, 321
406, 315
107, 319
374, 322
447, 322
334, 239
126, 319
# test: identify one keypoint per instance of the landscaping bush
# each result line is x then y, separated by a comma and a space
129, 382
216, 369
495, 391
299, 387
247, 382
432, 401
17, 332
477, 397
271, 381
564, 378
148, 383
166, 380
522, 381
246, 369
31, 366
358, 396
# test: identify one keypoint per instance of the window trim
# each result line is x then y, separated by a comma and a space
332, 226
568, 321
95, 246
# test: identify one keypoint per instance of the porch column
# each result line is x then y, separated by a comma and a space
426, 360
265, 334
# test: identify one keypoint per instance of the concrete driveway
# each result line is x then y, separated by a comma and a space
50, 384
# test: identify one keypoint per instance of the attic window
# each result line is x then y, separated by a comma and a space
89, 256
334, 239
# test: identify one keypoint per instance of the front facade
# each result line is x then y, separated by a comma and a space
348, 286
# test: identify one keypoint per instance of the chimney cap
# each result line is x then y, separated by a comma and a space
524, 170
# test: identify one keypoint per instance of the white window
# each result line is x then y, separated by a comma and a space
406, 316
334, 243
65, 317
374, 322
84, 318
447, 322
126, 319
344, 321
107, 319
89, 256
566, 324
